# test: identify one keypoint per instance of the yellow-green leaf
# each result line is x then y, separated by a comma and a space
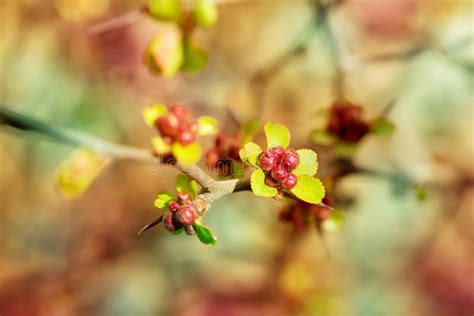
334, 222
195, 58
185, 184
308, 163
207, 125
250, 153
382, 127
162, 199
189, 154
78, 172
169, 10
257, 182
152, 112
159, 145
249, 129
309, 189
277, 135
164, 54
322, 137
205, 13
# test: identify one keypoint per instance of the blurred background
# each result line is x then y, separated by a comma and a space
395, 255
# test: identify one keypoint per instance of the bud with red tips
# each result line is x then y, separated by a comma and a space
290, 159
290, 181
168, 222
173, 205
186, 215
183, 197
267, 162
180, 111
279, 173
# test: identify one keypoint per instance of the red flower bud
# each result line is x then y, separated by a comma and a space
168, 222
173, 205
185, 137
180, 111
276, 152
167, 125
186, 215
290, 181
291, 159
189, 229
271, 182
183, 197
279, 173
266, 162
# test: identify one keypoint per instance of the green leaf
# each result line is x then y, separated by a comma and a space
309, 189
250, 153
382, 127
257, 182
205, 13
420, 193
187, 155
204, 233
334, 222
277, 134
345, 149
207, 125
249, 129
79, 171
185, 184
322, 137
169, 10
308, 163
178, 231
195, 58
151, 113
162, 199
159, 145
164, 54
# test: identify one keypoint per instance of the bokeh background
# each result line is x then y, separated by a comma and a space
394, 256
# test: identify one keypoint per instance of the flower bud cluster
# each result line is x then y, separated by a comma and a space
278, 164
175, 126
346, 122
302, 214
182, 214
226, 148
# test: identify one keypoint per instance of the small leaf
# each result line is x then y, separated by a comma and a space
309, 189
420, 193
277, 134
178, 231
79, 171
151, 113
168, 10
159, 145
257, 182
164, 54
334, 222
188, 155
195, 58
185, 184
382, 127
322, 137
308, 163
205, 13
162, 199
250, 153
249, 129
204, 233
345, 149
207, 125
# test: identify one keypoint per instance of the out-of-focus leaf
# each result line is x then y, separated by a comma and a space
257, 182
178, 231
162, 199
188, 155
334, 222
420, 193
308, 163
345, 149
204, 233
207, 125
78, 172
309, 189
277, 134
322, 137
195, 58
169, 10
249, 129
250, 153
164, 54
205, 12
238, 170
382, 127
159, 145
185, 184
151, 113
